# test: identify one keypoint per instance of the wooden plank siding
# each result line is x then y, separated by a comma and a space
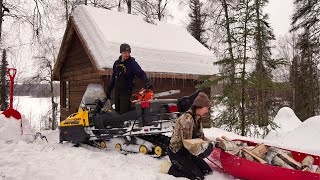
78, 70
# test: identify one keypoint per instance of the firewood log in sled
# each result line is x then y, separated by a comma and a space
286, 158
198, 147
228, 146
307, 162
277, 161
266, 155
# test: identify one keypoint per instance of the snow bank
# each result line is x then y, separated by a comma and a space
287, 121
10, 129
305, 137
294, 134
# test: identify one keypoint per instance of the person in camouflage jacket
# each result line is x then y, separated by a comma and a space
189, 126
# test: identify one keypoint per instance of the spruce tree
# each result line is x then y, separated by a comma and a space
305, 22
261, 77
4, 84
247, 37
230, 95
306, 84
198, 18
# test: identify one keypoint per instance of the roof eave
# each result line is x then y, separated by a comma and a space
164, 75
70, 30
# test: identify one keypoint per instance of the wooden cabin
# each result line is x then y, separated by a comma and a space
169, 55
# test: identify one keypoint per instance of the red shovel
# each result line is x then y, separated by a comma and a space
12, 112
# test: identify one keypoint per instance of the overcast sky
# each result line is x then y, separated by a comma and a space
280, 12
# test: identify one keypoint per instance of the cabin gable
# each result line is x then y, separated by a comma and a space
76, 73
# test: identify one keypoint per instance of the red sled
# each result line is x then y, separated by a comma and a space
246, 169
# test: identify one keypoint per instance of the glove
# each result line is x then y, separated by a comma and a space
207, 151
216, 144
148, 85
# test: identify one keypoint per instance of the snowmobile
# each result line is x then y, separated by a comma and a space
145, 129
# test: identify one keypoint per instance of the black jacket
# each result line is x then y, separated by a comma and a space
124, 73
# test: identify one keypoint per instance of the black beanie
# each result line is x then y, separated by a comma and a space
125, 47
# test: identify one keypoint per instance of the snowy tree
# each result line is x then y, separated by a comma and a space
45, 64
70, 5
245, 37
198, 18
152, 9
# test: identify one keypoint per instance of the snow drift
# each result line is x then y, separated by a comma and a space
287, 121
10, 130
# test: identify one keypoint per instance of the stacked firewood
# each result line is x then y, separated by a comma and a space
267, 155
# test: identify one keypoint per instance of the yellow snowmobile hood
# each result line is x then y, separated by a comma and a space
80, 118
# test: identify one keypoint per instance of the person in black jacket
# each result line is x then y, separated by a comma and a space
125, 69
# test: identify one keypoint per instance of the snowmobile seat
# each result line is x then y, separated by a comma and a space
185, 102
106, 120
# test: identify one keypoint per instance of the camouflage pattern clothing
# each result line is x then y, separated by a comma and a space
186, 127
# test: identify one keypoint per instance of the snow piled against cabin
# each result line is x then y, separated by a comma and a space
21, 159
153, 45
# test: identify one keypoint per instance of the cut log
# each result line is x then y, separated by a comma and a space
307, 169
247, 156
195, 146
272, 152
277, 161
235, 151
227, 145
285, 157
260, 150
307, 162
254, 156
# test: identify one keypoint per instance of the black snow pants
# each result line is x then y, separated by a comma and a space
122, 101
184, 164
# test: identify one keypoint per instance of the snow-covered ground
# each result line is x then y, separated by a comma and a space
41, 160
21, 159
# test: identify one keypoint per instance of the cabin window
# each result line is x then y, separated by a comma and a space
65, 94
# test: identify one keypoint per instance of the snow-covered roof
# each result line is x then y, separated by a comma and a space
163, 47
